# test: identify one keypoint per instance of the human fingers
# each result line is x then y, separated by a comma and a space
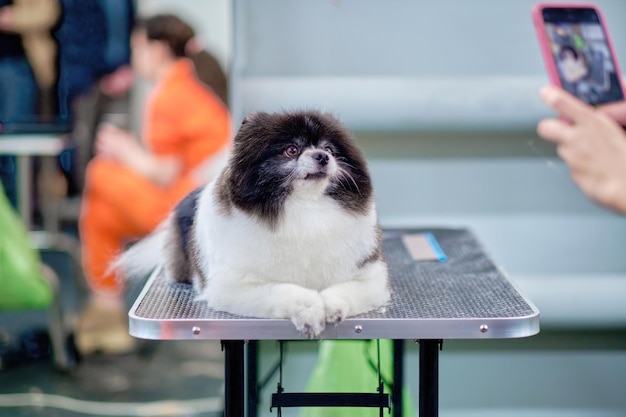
100, 147
554, 130
101, 142
565, 104
107, 127
118, 82
105, 132
616, 111
106, 143
6, 18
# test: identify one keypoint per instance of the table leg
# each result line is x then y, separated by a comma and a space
429, 378
24, 167
47, 198
398, 377
252, 368
234, 398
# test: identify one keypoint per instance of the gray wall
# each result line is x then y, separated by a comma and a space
442, 95
398, 64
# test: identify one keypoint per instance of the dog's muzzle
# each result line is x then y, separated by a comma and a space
317, 164
321, 157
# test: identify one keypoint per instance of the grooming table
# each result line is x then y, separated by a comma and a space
465, 297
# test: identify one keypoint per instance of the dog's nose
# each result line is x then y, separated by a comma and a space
321, 157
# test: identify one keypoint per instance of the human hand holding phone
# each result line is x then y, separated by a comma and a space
588, 96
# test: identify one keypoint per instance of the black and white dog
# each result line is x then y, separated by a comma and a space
287, 230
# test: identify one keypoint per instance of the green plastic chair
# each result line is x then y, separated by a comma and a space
25, 283
342, 366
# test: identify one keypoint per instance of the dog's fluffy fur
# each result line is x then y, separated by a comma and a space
288, 229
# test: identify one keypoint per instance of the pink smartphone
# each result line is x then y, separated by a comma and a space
578, 52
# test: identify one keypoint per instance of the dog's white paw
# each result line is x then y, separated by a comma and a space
335, 307
310, 321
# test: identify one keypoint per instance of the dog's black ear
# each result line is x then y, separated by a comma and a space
251, 116
251, 125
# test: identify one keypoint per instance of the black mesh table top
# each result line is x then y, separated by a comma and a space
465, 297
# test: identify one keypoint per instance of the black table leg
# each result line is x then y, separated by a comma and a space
398, 377
429, 378
234, 398
252, 368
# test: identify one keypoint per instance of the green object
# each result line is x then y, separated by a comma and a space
21, 283
579, 42
346, 366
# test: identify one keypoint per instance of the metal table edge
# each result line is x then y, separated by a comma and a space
350, 329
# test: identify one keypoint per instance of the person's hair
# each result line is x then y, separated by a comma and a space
567, 48
210, 72
170, 30
178, 36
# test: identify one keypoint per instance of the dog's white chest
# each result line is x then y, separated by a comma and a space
316, 244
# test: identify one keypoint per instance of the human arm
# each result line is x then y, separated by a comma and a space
591, 143
27, 16
118, 82
121, 146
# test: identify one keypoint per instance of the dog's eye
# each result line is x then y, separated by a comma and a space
292, 151
329, 150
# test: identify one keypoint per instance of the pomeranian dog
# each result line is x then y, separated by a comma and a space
287, 230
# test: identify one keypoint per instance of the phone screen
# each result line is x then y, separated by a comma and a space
582, 54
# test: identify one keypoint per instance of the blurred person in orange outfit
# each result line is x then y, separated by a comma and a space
131, 185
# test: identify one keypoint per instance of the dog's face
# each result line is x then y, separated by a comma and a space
279, 155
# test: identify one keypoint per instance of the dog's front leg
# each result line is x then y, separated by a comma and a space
367, 291
303, 306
